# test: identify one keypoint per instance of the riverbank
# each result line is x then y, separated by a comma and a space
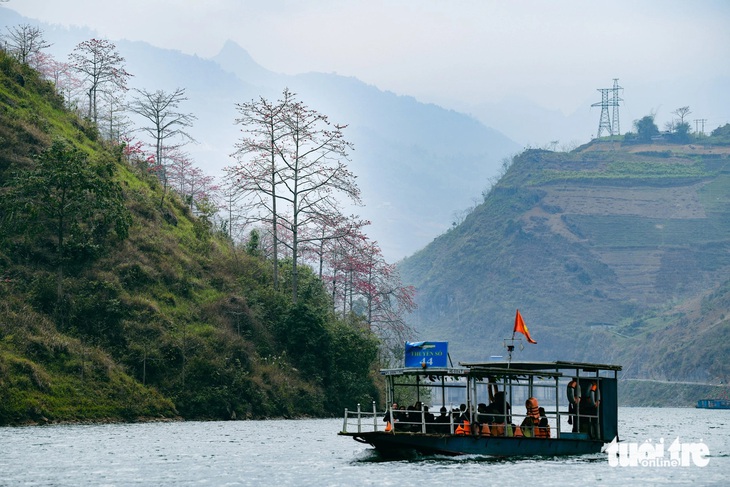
641, 392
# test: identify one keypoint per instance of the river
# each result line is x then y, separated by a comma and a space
309, 452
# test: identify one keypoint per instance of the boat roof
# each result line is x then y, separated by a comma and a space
551, 369
542, 366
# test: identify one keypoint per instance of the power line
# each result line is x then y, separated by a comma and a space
702, 122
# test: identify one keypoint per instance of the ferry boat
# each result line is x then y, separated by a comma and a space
713, 404
490, 409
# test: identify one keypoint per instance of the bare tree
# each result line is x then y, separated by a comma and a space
259, 170
231, 205
682, 112
166, 123
314, 172
100, 66
116, 123
24, 42
292, 160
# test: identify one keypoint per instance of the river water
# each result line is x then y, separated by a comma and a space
309, 452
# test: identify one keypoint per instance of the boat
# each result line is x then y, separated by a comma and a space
464, 391
713, 404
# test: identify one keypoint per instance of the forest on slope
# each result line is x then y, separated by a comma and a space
118, 303
614, 253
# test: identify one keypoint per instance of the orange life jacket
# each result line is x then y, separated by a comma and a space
388, 427
463, 429
542, 431
532, 419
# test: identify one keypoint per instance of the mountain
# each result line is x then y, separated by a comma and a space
611, 253
418, 165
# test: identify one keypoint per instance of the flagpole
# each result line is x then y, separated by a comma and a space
510, 349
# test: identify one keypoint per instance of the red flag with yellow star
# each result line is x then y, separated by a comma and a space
520, 327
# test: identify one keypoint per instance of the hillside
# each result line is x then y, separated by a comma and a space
611, 254
119, 304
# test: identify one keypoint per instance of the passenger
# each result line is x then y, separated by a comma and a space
532, 419
482, 420
443, 422
498, 414
573, 392
414, 417
590, 403
543, 428
391, 417
464, 427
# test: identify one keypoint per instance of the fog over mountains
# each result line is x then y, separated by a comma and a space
418, 165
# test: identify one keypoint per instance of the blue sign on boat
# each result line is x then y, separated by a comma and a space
427, 354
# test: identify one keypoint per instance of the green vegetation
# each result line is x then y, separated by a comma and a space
630, 172
114, 307
610, 256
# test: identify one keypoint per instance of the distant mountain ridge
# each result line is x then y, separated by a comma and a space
611, 256
417, 164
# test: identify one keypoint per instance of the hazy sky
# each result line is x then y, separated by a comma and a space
455, 53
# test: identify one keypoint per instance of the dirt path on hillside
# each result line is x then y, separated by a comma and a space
688, 149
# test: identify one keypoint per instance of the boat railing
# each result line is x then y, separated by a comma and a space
362, 421
372, 420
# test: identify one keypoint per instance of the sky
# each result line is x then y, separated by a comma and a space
457, 53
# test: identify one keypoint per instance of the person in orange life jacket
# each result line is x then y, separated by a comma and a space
482, 420
573, 392
532, 418
464, 427
497, 414
391, 417
535, 423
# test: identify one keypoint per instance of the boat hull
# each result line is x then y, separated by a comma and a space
401, 444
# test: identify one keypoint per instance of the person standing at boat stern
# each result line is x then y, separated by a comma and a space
391, 416
590, 404
574, 395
